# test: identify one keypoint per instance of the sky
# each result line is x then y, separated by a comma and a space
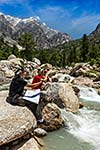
74, 17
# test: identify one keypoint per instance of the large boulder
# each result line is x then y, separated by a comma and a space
9, 73
8, 67
16, 62
63, 77
11, 57
15, 121
80, 69
52, 115
37, 61
46, 66
31, 144
34, 143
4, 64
85, 81
63, 95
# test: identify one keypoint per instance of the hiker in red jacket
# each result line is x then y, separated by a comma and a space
40, 78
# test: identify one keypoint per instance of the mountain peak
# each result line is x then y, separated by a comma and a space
44, 36
96, 32
1, 13
98, 27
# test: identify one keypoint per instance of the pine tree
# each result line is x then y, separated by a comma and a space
15, 51
26, 41
55, 58
63, 54
85, 48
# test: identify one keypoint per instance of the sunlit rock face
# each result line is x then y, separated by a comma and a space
15, 121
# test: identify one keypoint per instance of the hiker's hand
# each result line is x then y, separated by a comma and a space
42, 80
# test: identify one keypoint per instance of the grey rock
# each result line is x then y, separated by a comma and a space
52, 116
63, 95
95, 32
37, 61
30, 145
40, 132
12, 57
85, 81
9, 73
63, 77
15, 121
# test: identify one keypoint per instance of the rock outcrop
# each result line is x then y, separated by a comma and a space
85, 81
95, 34
52, 115
63, 95
9, 67
15, 121
80, 69
31, 144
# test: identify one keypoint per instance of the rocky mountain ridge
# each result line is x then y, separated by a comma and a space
43, 36
96, 31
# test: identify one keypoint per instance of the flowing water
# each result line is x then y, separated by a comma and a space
82, 131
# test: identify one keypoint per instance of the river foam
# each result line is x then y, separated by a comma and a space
88, 94
85, 125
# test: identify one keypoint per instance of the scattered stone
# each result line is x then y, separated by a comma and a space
99, 91
9, 73
46, 66
65, 78
81, 105
81, 69
84, 81
40, 132
37, 61
91, 75
12, 57
76, 90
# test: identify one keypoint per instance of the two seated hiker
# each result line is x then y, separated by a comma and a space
30, 98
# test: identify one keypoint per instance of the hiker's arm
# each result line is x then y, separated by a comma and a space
34, 84
47, 76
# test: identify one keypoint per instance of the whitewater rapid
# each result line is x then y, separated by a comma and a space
88, 94
85, 125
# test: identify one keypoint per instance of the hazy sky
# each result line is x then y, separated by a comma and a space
74, 17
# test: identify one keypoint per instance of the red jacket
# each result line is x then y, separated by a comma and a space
37, 79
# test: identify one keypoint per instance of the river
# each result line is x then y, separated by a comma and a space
82, 130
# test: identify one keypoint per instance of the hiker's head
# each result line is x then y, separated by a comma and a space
45, 71
22, 72
40, 71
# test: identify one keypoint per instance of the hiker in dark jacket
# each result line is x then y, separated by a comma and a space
16, 90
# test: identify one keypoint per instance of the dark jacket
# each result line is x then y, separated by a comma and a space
17, 86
